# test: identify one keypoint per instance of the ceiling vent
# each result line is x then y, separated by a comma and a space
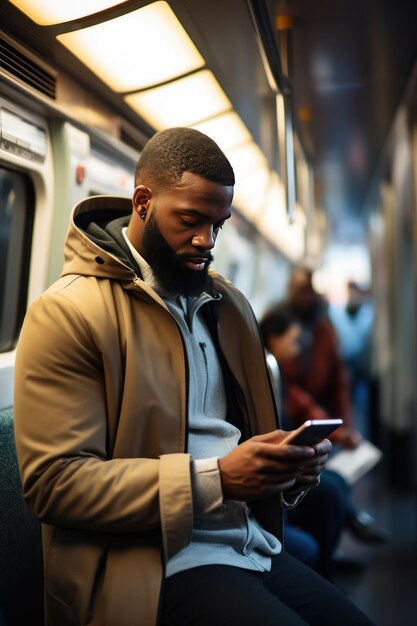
21, 64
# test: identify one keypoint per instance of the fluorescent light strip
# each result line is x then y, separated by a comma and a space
246, 157
252, 179
227, 130
137, 50
48, 12
183, 102
274, 225
251, 190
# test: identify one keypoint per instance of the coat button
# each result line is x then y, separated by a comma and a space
99, 260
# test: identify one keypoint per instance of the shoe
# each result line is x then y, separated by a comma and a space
365, 528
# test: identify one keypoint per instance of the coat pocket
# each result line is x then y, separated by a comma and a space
74, 567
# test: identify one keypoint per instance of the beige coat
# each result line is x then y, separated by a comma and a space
101, 419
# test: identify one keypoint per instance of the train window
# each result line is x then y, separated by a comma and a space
16, 226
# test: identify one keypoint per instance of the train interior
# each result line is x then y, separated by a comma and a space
314, 103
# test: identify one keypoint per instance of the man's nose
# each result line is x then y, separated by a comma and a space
204, 239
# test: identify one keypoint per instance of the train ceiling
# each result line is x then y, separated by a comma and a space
348, 66
352, 60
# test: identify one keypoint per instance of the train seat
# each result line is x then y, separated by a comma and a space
21, 567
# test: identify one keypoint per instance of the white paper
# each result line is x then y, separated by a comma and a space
353, 464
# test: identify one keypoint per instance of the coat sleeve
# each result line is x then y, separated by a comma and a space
61, 425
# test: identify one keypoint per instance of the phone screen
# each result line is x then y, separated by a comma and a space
312, 431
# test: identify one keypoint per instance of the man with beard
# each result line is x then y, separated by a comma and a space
145, 420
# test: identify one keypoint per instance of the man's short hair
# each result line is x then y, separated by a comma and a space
170, 153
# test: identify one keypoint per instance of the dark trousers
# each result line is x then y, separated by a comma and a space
323, 513
291, 594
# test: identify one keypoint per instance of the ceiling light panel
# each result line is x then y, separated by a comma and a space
48, 12
137, 50
183, 102
250, 203
227, 130
251, 172
246, 157
275, 226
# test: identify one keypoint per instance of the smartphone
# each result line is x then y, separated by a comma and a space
312, 431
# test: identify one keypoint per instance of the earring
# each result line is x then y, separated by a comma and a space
142, 216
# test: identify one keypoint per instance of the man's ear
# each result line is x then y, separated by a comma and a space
141, 198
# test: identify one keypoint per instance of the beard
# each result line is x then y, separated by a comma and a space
168, 266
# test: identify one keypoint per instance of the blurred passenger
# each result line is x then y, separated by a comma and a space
146, 427
353, 323
317, 378
324, 511
300, 335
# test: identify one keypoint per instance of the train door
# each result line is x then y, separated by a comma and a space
26, 201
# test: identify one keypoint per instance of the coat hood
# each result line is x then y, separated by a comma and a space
94, 244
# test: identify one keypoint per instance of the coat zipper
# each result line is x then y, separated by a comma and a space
203, 347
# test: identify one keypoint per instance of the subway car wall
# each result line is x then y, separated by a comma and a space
392, 233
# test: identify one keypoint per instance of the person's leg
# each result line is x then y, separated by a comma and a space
323, 513
219, 595
314, 599
362, 525
302, 545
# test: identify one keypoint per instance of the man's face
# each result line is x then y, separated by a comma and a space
181, 230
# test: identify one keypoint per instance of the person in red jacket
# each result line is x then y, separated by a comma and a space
314, 385
317, 382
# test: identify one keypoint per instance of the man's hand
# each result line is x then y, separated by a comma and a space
261, 466
313, 467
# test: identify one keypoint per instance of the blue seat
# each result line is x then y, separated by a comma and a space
21, 568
